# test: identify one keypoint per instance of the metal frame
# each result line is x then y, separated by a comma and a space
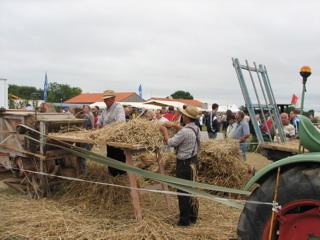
268, 102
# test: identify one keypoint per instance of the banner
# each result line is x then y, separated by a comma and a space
294, 99
140, 90
45, 88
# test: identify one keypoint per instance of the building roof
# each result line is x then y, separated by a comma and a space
195, 103
97, 97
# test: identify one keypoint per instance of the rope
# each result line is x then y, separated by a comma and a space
275, 205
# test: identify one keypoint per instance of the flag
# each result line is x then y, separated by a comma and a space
45, 88
294, 99
140, 90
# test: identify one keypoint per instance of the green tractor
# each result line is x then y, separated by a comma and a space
294, 184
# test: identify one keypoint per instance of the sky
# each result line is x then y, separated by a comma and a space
163, 45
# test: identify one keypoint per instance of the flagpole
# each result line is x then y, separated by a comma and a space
45, 88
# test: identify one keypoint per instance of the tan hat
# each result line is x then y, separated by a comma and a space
191, 112
108, 94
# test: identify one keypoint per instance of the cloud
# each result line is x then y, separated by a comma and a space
163, 45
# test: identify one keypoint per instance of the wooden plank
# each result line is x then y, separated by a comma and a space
162, 171
86, 140
286, 147
9, 147
133, 183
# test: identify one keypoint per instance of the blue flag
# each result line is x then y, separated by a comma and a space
140, 91
45, 88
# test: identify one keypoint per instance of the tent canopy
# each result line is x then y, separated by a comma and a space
142, 105
224, 108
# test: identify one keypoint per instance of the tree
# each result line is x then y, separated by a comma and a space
61, 92
24, 92
181, 95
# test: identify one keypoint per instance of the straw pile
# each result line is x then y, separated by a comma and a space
23, 218
95, 196
137, 131
221, 163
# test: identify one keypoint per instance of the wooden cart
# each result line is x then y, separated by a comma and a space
20, 154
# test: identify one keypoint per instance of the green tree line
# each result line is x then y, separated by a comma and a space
56, 92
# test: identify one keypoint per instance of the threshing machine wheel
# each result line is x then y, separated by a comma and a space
299, 197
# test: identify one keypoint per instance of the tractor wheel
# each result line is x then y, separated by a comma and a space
298, 193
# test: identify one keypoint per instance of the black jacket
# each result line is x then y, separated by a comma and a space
212, 123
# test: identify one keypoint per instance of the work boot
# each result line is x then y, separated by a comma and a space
183, 223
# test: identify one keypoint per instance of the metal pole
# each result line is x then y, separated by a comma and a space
302, 98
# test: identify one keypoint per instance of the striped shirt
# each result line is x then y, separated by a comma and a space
186, 141
115, 113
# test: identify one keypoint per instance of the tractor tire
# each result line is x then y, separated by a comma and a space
300, 182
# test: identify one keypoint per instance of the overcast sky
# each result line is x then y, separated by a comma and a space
163, 45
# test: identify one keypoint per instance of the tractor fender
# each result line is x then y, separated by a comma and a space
301, 158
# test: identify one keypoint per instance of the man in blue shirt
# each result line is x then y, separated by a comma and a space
242, 132
294, 121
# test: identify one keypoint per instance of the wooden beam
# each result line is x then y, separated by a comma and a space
133, 183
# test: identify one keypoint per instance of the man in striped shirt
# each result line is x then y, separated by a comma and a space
187, 143
114, 112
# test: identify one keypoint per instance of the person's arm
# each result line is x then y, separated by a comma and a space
100, 121
164, 131
244, 137
174, 125
246, 133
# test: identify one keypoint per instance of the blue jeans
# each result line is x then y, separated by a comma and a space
243, 148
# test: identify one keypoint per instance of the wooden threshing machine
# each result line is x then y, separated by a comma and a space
21, 154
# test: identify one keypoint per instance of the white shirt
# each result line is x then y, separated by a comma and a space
230, 130
162, 119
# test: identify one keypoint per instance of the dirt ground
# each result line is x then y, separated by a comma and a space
49, 218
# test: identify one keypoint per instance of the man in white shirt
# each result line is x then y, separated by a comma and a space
288, 128
159, 117
231, 127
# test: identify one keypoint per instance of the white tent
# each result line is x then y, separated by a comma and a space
162, 103
224, 108
142, 105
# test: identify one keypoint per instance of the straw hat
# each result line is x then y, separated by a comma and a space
191, 112
108, 94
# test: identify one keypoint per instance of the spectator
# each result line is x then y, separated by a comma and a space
242, 132
213, 126
232, 124
96, 113
288, 128
294, 121
159, 116
87, 111
170, 114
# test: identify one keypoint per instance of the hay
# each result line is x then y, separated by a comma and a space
221, 164
137, 132
88, 211
47, 219
93, 196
